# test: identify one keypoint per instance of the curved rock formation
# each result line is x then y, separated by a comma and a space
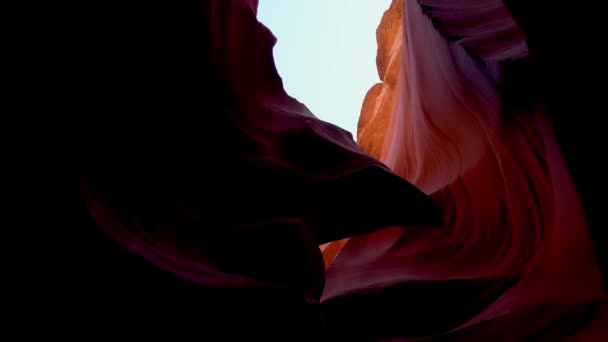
378, 102
205, 188
514, 259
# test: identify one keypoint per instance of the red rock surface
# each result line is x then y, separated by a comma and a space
205, 190
514, 259
378, 102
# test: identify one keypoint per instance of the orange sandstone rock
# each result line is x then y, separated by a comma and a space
389, 38
378, 102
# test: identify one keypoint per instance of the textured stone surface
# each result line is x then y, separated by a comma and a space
375, 116
514, 260
389, 42
377, 105
378, 102
165, 226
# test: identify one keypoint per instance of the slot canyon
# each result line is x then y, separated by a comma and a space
213, 205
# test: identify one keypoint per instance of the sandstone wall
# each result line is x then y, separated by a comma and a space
378, 102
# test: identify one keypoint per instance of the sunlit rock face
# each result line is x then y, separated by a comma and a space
456, 116
378, 102
174, 232
176, 235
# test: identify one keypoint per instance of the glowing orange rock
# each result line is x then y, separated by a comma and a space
514, 258
378, 102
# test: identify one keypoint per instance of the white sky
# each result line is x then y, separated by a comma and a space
326, 52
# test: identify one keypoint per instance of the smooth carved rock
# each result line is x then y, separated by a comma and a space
378, 102
514, 259
331, 250
377, 105
388, 38
375, 116
165, 227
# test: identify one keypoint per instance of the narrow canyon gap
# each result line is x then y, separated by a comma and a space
205, 189
326, 53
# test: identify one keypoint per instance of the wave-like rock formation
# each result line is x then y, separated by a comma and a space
514, 259
206, 190
378, 102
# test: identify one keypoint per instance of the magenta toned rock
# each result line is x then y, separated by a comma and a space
514, 260
208, 189
202, 191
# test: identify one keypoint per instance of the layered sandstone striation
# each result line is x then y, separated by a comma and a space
514, 258
378, 102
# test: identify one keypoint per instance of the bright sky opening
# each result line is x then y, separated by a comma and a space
326, 53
